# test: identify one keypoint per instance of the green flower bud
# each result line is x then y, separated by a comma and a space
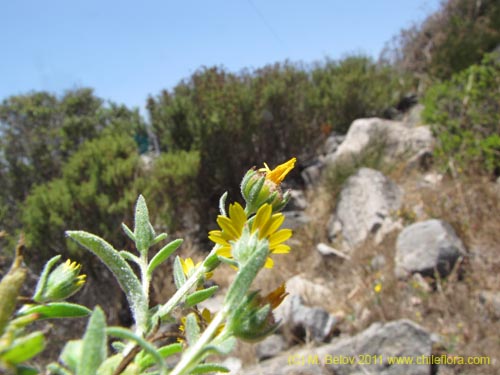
253, 319
264, 186
61, 283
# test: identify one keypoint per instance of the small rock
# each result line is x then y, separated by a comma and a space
378, 262
233, 364
326, 250
332, 143
491, 301
304, 322
312, 174
425, 247
316, 323
297, 201
295, 219
270, 347
433, 179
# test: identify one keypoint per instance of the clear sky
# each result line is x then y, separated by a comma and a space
126, 49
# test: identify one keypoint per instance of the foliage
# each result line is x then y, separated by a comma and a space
450, 40
95, 190
466, 117
353, 88
40, 132
279, 110
254, 236
171, 185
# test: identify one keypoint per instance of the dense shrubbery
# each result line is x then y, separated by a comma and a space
94, 192
450, 40
280, 110
40, 133
465, 112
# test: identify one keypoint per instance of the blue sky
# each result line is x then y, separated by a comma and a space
127, 50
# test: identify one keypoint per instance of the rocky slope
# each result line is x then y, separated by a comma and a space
382, 283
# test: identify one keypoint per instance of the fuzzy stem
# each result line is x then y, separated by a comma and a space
191, 356
183, 290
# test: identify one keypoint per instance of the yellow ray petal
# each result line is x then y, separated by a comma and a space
227, 226
272, 225
269, 263
281, 249
261, 218
224, 251
237, 215
278, 174
279, 237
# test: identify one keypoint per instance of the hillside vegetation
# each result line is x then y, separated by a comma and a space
76, 161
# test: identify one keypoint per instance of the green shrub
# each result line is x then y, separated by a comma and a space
171, 184
96, 188
465, 113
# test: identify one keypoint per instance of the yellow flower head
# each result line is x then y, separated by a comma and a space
278, 174
265, 223
378, 287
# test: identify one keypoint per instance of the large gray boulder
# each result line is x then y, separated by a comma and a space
365, 205
376, 347
427, 247
397, 139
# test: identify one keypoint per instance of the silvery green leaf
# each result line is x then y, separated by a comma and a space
71, 354
200, 295
121, 269
24, 348
159, 238
129, 256
192, 329
143, 231
222, 204
223, 347
179, 277
123, 333
146, 360
128, 232
56, 310
163, 254
94, 347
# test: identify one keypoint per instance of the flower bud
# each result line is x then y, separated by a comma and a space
252, 320
264, 186
61, 283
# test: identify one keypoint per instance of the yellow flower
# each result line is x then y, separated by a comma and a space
378, 287
188, 267
278, 174
264, 222
204, 318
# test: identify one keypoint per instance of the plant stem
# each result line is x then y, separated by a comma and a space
174, 300
190, 357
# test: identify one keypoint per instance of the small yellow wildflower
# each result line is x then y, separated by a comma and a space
264, 222
188, 267
278, 174
378, 287
204, 318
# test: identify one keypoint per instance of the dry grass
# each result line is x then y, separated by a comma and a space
448, 307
